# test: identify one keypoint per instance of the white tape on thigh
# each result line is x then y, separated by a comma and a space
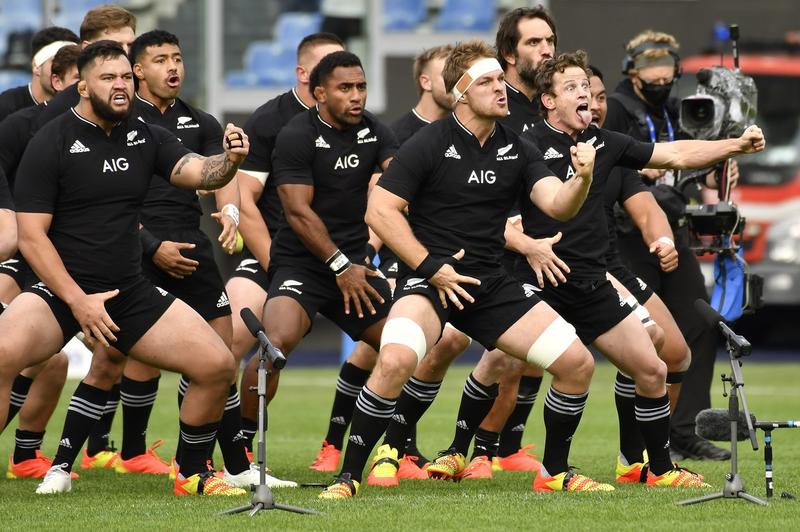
404, 331
448, 324
552, 343
640, 311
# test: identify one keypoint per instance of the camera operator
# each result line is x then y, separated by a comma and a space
641, 107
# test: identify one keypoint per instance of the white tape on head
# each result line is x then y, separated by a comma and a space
407, 332
478, 69
49, 52
552, 343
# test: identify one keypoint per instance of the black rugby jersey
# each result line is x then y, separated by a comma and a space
585, 237
58, 105
523, 113
262, 128
459, 192
622, 184
167, 206
339, 165
16, 98
94, 186
15, 133
6, 202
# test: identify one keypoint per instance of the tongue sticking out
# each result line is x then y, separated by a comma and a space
585, 116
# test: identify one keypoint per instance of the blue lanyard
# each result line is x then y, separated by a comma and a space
652, 128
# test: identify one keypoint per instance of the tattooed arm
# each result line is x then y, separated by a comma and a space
210, 173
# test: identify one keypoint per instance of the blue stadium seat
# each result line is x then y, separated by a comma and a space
241, 79
290, 28
271, 62
403, 14
466, 15
13, 78
20, 15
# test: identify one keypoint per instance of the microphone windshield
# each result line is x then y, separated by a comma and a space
250, 321
714, 424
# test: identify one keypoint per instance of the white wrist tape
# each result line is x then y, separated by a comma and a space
478, 69
666, 240
233, 211
48, 52
338, 263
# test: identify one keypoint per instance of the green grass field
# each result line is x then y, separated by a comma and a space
104, 500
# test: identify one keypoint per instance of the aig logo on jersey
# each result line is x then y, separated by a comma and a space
482, 177
132, 140
363, 138
346, 162
119, 164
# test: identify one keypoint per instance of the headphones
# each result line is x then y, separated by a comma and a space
630, 55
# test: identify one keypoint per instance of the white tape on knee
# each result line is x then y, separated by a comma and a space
640, 311
404, 331
552, 343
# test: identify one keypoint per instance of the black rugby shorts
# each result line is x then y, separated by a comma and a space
638, 288
17, 268
203, 290
500, 301
250, 268
318, 292
134, 310
592, 307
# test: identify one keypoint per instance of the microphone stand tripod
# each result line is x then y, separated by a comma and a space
734, 485
262, 494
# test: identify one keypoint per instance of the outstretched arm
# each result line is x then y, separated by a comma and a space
194, 171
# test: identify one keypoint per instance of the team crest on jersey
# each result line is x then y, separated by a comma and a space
132, 140
501, 153
591, 142
363, 138
185, 122
551, 153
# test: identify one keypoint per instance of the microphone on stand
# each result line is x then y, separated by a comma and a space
274, 354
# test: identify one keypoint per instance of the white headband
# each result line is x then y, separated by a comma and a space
49, 52
480, 68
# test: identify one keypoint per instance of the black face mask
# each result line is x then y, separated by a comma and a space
656, 95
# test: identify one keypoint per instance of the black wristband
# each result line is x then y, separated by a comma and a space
150, 243
429, 266
338, 263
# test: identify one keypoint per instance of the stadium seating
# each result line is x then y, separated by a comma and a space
466, 15
271, 63
18, 15
13, 78
400, 15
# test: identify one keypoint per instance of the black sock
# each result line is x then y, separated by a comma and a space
19, 392
511, 435
348, 386
249, 429
370, 418
138, 398
84, 412
476, 401
631, 444
26, 444
562, 413
411, 446
230, 436
652, 414
99, 437
415, 398
195, 446
486, 443
183, 385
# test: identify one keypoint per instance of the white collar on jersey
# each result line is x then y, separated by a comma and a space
470, 132
148, 102
320, 117
82, 118
420, 116
30, 91
299, 100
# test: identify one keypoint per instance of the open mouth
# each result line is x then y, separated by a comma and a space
119, 98
583, 114
173, 81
